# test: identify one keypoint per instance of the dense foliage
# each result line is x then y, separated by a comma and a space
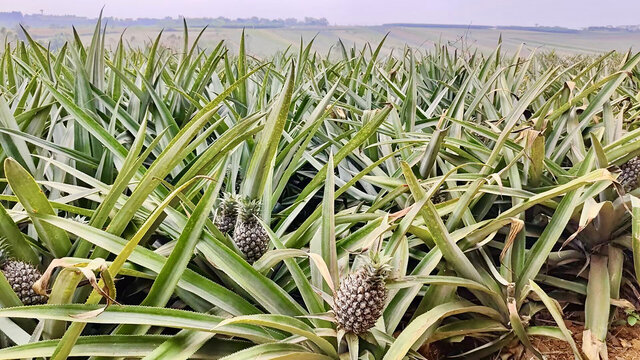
461, 197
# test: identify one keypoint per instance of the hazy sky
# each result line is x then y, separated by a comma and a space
569, 13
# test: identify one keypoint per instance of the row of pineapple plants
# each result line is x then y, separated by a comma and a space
193, 203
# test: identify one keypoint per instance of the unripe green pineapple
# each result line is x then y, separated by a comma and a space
630, 174
360, 298
21, 277
227, 214
249, 235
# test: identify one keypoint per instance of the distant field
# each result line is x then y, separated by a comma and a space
263, 42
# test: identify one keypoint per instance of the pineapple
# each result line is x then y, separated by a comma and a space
630, 174
249, 235
361, 296
21, 277
227, 214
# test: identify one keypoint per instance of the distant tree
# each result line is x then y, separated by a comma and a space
311, 21
291, 21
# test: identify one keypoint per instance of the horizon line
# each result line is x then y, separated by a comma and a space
398, 24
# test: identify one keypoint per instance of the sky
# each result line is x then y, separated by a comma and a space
567, 13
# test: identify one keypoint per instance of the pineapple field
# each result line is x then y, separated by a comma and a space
202, 203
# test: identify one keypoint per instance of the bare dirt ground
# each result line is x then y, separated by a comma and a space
623, 343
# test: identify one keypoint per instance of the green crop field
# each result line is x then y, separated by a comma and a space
167, 196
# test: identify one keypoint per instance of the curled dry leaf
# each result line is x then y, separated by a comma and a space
88, 270
516, 226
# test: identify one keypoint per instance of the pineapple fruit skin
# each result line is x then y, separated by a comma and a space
359, 301
226, 221
630, 174
21, 277
251, 238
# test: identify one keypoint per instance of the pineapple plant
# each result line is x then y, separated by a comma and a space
630, 174
249, 235
361, 296
227, 214
21, 276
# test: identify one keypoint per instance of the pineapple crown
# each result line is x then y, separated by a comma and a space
229, 202
7, 253
378, 265
80, 219
5, 250
248, 209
